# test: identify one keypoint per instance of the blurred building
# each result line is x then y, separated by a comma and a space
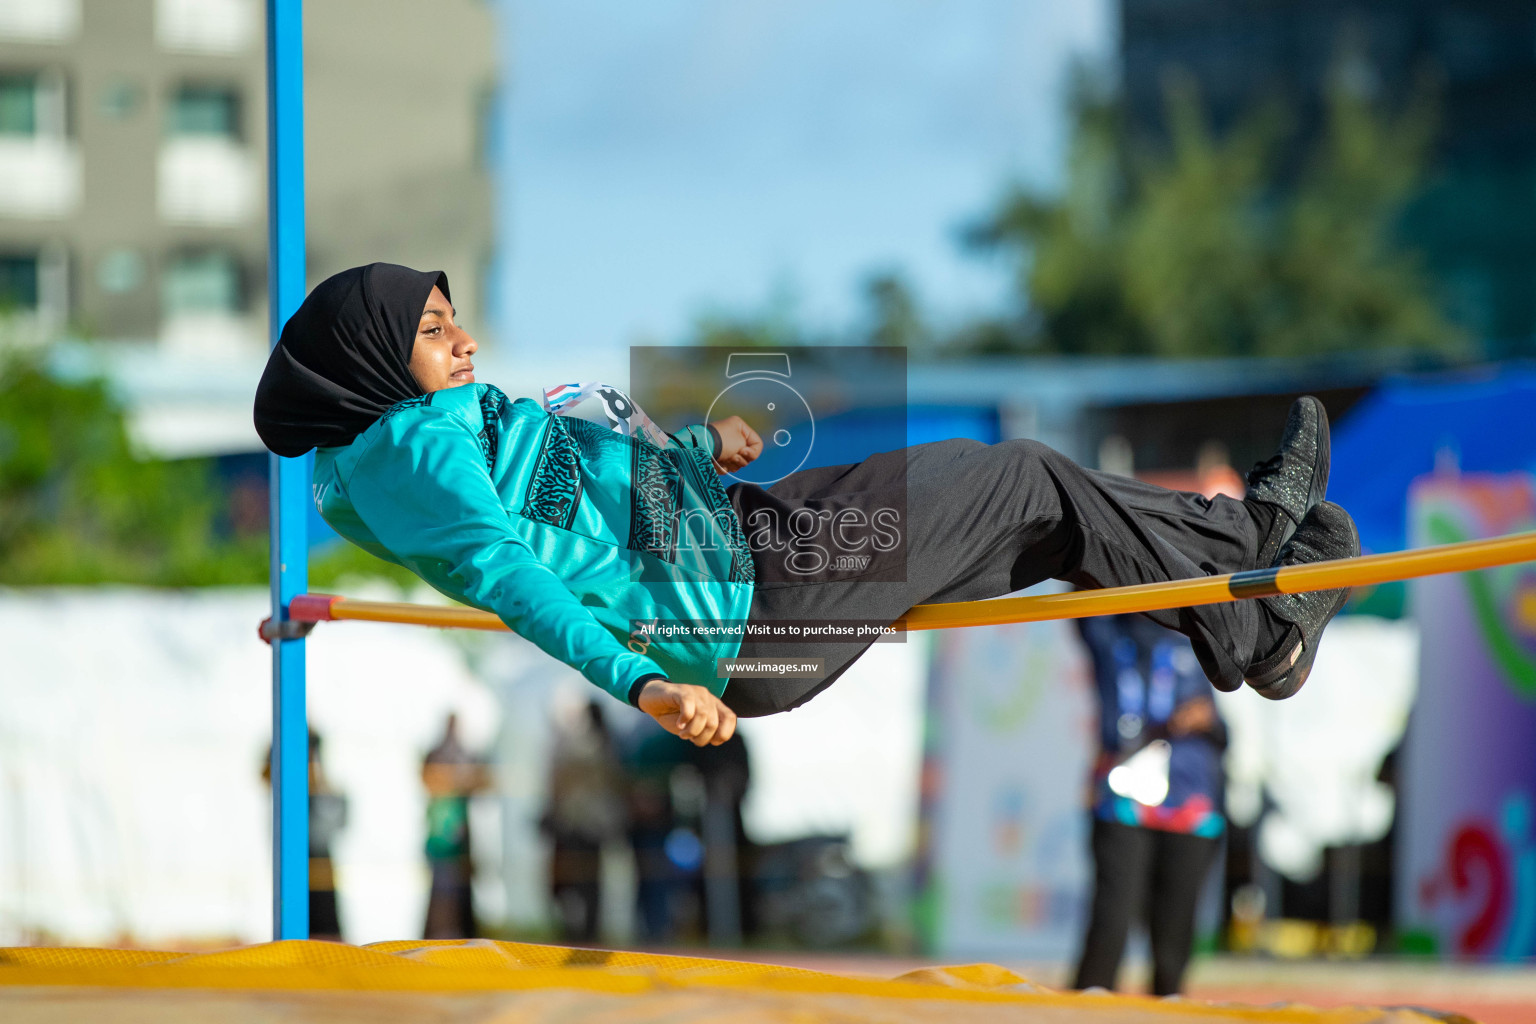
133, 158
1476, 221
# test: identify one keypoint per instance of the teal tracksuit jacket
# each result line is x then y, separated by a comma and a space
569, 532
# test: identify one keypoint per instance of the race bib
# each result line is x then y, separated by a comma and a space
624, 414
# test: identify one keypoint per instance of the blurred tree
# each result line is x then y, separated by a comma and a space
775, 325
1251, 244
894, 314
342, 564
742, 330
77, 506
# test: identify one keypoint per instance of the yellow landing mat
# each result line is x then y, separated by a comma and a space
479, 981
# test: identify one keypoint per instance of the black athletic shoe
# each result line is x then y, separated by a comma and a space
1326, 532
1295, 478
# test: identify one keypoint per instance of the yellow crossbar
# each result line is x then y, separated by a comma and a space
1146, 597
1292, 579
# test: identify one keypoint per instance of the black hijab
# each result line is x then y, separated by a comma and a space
344, 357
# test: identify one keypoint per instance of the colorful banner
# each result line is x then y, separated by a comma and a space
1003, 861
1466, 883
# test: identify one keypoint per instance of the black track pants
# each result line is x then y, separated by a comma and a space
1135, 867
979, 521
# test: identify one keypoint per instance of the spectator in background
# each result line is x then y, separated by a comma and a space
451, 776
585, 810
727, 892
692, 856
1157, 791
652, 757
1157, 785
327, 817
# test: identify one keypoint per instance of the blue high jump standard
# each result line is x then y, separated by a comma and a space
290, 478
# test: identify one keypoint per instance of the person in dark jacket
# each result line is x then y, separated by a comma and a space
327, 817
451, 776
1157, 796
584, 539
585, 810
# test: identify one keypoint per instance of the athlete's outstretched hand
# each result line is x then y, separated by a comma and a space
691, 712
739, 444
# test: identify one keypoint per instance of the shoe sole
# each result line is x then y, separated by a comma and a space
1289, 678
1286, 679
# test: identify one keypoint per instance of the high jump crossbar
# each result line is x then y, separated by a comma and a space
1366, 570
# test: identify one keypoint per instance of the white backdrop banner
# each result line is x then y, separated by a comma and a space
133, 728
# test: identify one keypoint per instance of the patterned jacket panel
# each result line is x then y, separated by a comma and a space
558, 525
665, 503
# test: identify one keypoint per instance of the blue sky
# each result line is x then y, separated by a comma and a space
666, 157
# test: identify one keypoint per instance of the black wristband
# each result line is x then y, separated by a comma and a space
639, 684
715, 436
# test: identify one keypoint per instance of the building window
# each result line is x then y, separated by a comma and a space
18, 105
18, 282
205, 110
39, 166
32, 104
206, 174
35, 286
203, 305
202, 283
